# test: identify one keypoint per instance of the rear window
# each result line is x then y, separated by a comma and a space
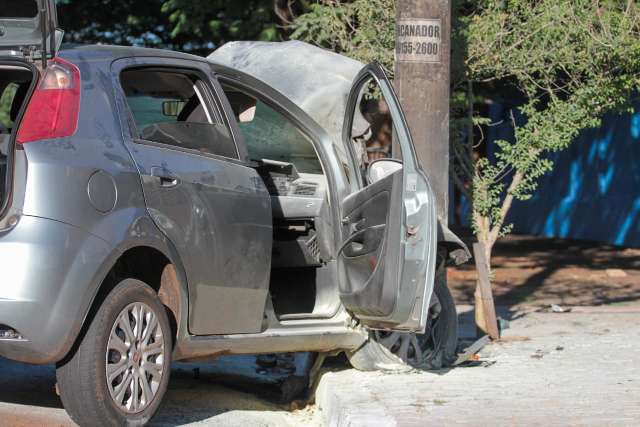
18, 9
169, 107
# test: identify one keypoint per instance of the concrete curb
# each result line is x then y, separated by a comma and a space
554, 367
338, 411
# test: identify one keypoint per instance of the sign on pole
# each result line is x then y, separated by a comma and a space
419, 40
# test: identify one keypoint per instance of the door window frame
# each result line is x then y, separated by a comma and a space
210, 95
278, 109
333, 198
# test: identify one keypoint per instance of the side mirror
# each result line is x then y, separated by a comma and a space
172, 108
378, 169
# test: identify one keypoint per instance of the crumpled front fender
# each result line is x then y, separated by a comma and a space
458, 252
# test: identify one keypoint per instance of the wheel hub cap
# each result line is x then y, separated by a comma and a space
135, 358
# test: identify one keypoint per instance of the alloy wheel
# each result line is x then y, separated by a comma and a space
135, 358
414, 349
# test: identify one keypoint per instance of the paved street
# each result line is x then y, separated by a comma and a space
574, 369
27, 398
580, 369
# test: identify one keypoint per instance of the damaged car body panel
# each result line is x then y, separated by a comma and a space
319, 82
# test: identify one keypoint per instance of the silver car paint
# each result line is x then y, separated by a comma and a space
316, 80
66, 240
218, 216
60, 223
72, 246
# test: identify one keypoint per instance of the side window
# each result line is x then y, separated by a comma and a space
372, 129
270, 135
169, 107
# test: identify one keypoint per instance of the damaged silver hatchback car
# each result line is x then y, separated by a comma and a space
160, 207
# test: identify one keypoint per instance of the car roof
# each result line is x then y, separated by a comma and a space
96, 52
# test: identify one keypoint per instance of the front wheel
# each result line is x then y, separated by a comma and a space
120, 370
435, 349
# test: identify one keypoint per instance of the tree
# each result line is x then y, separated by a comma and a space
361, 29
124, 22
196, 26
221, 20
568, 61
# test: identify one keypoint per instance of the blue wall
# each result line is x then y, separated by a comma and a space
593, 192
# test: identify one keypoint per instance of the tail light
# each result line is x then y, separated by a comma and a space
53, 109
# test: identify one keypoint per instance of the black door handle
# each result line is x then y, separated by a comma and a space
363, 241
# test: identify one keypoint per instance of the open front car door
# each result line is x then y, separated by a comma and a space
389, 226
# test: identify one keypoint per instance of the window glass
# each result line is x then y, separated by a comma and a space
168, 107
18, 9
270, 135
372, 130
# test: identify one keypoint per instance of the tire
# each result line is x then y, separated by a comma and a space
435, 349
82, 377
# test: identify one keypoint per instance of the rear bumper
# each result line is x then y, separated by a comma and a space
49, 273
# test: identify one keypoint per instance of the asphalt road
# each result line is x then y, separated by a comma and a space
27, 396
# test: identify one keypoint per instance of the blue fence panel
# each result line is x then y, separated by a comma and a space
593, 192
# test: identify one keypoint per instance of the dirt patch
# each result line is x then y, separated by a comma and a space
540, 271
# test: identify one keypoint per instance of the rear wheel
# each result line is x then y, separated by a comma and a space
434, 349
120, 370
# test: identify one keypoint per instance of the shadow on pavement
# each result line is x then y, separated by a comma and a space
25, 384
233, 385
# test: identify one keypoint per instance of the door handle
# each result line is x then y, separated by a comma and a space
165, 177
363, 241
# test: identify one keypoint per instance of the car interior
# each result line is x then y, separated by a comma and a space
303, 282
168, 107
14, 87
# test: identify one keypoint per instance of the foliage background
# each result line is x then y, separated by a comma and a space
567, 62
196, 26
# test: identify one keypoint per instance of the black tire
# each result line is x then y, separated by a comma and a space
437, 346
442, 330
82, 377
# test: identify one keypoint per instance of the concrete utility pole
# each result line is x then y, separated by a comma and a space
422, 74
423, 41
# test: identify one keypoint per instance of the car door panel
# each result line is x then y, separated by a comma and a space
387, 259
362, 267
217, 213
219, 221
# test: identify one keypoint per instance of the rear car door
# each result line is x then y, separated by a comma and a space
199, 191
387, 257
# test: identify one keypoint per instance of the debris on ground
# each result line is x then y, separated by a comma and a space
539, 354
555, 308
471, 352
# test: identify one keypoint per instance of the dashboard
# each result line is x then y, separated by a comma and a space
293, 194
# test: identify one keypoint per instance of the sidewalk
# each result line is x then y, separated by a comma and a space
578, 368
